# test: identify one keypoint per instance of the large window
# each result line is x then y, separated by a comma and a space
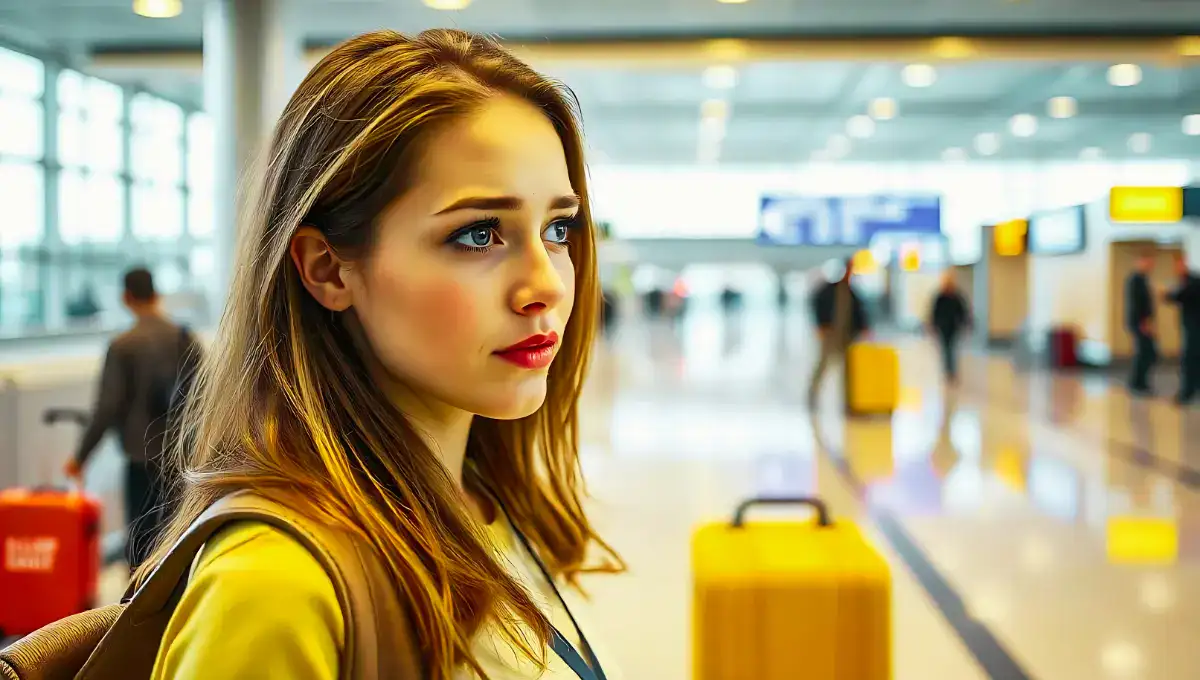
156, 140
21, 148
95, 178
200, 168
91, 196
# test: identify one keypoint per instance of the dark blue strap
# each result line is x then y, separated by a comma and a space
586, 670
566, 651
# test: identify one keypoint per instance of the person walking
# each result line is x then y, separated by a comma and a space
143, 369
840, 319
1187, 297
1139, 318
949, 316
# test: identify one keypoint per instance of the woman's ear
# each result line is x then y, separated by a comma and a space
320, 269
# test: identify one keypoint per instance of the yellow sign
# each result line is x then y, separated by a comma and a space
910, 259
1009, 237
1145, 204
864, 262
1142, 540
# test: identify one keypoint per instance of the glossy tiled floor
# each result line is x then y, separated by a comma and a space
1012, 490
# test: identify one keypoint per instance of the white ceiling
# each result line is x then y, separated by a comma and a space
80, 23
780, 111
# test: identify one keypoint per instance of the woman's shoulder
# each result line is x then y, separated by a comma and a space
254, 587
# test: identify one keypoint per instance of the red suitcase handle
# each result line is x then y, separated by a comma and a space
739, 515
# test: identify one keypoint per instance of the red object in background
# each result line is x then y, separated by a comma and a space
1064, 344
49, 557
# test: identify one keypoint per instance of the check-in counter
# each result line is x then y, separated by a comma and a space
32, 453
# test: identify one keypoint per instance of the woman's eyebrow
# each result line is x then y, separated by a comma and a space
565, 202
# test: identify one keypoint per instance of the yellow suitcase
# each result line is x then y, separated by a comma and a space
872, 379
789, 600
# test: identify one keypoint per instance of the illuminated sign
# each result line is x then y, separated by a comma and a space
1009, 237
1144, 205
793, 220
1142, 540
864, 262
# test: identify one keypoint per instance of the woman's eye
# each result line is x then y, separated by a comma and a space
476, 237
558, 231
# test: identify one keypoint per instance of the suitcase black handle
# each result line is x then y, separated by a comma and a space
53, 416
739, 515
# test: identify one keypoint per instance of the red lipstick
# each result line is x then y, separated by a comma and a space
536, 351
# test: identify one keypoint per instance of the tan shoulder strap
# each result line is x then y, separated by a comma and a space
379, 644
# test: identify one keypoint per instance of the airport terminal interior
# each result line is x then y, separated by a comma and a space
1040, 519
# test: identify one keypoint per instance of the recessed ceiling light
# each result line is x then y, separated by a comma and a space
721, 77
732, 2
1124, 75
987, 143
882, 108
1139, 142
714, 108
1062, 107
919, 75
954, 154
712, 129
158, 9
1023, 125
1191, 124
838, 145
1091, 153
860, 127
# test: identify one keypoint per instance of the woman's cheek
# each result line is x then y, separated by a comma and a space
448, 311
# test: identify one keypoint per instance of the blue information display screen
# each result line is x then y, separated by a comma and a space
1057, 232
844, 220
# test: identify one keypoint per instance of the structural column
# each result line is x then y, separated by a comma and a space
253, 60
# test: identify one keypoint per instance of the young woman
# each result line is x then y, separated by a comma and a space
406, 338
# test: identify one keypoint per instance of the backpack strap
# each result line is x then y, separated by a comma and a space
379, 643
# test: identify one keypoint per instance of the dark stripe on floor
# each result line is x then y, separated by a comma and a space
989, 653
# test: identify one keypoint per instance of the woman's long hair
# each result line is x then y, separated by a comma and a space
284, 405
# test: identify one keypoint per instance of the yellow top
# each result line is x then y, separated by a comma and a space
259, 605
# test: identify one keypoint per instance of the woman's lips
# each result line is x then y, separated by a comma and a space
536, 351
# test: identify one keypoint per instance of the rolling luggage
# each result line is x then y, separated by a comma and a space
872, 379
50, 541
789, 600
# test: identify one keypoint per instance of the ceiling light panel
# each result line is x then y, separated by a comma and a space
1124, 75
987, 143
883, 108
860, 127
1023, 125
720, 77
919, 75
1062, 107
158, 9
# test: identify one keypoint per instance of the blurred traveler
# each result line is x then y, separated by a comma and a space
143, 370
949, 316
1187, 296
391, 402
840, 319
1139, 318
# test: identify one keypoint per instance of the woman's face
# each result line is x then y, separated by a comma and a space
470, 263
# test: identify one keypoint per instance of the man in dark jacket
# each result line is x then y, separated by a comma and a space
840, 319
144, 369
949, 316
1139, 318
1187, 296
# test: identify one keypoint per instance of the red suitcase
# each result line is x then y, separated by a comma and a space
50, 542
